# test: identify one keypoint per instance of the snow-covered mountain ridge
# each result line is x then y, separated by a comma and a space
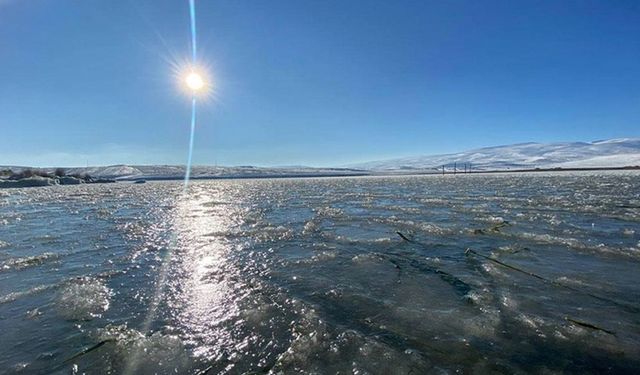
621, 152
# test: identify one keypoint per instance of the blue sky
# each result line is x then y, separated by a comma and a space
316, 83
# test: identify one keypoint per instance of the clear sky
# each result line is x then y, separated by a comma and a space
310, 82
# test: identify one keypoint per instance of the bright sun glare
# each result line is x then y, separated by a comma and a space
194, 81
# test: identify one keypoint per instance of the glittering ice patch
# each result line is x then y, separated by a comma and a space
83, 299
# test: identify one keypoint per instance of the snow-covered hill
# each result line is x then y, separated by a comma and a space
621, 152
608, 153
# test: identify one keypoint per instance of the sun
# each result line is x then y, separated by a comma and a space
194, 81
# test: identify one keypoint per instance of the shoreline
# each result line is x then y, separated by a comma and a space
39, 182
534, 170
378, 174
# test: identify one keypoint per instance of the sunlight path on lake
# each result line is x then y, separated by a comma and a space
133, 361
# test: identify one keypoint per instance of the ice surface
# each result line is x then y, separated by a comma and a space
310, 276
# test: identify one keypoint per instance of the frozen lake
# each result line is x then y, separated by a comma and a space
309, 276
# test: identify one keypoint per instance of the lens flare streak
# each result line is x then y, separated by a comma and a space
134, 358
187, 174
192, 13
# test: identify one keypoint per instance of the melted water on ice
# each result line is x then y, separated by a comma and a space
309, 275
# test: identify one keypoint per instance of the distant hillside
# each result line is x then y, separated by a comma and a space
149, 172
622, 152
607, 153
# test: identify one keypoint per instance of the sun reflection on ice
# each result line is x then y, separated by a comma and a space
205, 288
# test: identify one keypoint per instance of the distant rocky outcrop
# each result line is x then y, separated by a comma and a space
28, 177
27, 182
68, 180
